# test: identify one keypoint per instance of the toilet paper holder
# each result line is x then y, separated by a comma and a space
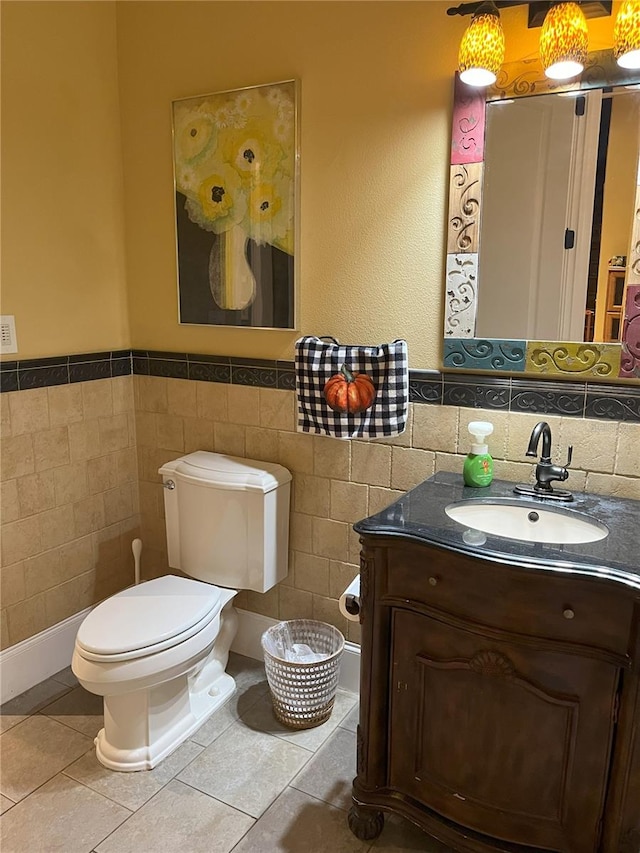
352, 605
349, 601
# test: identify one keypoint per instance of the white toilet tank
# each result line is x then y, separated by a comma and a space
227, 519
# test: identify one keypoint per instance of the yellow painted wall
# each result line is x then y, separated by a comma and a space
375, 122
375, 93
375, 125
63, 271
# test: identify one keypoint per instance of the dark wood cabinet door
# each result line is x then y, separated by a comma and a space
502, 738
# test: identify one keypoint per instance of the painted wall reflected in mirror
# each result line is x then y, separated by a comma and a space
543, 248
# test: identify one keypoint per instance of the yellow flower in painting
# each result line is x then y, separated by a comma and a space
220, 201
249, 156
265, 202
248, 151
194, 134
270, 214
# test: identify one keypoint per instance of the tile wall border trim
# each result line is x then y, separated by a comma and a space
480, 391
32, 373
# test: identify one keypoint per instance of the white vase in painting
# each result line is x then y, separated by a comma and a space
232, 283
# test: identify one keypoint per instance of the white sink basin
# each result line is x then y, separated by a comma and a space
527, 522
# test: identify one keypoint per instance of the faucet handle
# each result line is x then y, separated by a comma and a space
569, 455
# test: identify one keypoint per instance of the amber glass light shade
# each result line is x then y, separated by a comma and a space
564, 41
626, 35
482, 48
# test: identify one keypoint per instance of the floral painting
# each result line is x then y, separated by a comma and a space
235, 162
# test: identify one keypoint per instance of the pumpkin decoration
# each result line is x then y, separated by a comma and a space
348, 392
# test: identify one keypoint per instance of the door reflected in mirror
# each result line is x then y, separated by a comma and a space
560, 181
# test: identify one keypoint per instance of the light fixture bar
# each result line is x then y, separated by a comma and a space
590, 9
537, 9
472, 8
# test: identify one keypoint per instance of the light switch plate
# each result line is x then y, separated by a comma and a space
8, 333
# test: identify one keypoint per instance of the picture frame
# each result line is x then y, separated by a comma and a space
236, 190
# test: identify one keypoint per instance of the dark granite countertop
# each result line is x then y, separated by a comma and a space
420, 515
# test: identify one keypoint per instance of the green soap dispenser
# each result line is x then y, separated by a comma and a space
478, 466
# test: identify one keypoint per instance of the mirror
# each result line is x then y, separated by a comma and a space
544, 225
558, 196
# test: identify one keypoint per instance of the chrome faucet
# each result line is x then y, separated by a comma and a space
546, 471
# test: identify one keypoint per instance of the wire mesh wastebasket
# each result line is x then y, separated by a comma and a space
303, 693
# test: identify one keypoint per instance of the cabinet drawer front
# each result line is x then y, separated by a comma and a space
535, 602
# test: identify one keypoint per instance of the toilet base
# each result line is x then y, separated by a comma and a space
167, 715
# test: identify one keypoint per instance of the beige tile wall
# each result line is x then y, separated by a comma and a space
71, 491
337, 482
69, 501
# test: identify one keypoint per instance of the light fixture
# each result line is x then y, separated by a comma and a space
564, 41
626, 35
482, 48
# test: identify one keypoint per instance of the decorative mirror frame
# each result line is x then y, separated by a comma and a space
605, 362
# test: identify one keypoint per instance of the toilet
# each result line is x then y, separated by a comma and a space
157, 652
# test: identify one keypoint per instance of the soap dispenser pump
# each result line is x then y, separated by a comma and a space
478, 466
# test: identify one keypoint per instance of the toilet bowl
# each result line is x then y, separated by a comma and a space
157, 652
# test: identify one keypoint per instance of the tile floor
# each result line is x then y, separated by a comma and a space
242, 783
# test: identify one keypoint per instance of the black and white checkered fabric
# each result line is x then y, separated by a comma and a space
317, 360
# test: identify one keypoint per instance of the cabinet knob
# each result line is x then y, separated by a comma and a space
568, 613
433, 581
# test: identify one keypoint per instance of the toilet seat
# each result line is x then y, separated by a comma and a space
148, 618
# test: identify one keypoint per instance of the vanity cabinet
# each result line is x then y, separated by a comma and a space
499, 703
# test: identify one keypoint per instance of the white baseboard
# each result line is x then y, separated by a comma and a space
252, 626
28, 663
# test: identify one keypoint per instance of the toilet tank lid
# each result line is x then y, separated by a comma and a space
227, 472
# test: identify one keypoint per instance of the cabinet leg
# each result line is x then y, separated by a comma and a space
366, 824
